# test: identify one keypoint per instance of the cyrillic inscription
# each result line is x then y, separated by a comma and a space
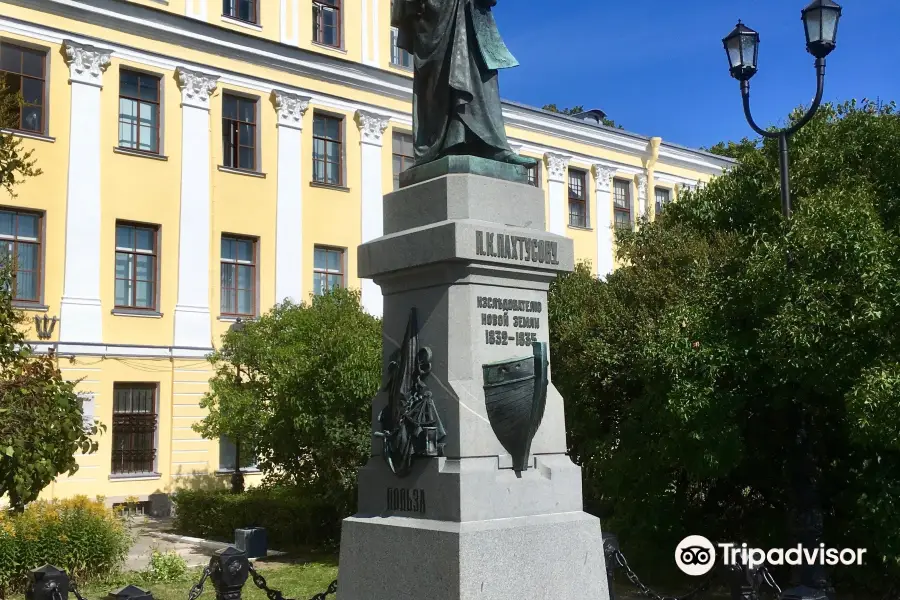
517, 248
406, 500
498, 323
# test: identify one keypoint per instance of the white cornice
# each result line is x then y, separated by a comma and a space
168, 27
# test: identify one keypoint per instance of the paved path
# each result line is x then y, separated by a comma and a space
153, 533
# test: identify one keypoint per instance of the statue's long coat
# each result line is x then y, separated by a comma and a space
457, 51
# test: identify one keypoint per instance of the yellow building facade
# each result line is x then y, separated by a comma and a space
204, 160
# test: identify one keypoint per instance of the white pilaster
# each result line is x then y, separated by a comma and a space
371, 134
289, 206
196, 9
557, 165
81, 316
192, 316
605, 238
289, 21
376, 33
642, 195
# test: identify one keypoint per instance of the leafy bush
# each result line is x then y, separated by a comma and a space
78, 535
166, 566
303, 400
290, 515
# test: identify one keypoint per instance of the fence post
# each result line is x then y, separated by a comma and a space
130, 592
743, 580
229, 569
610, 549
47, 583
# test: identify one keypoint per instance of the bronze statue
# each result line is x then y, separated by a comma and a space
456, 96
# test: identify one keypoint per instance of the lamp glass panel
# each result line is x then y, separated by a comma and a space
829, 25
814, 25
734, 51
748, 43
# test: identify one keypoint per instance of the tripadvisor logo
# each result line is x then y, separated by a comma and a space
696, 556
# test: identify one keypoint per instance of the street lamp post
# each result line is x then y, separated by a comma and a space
820, 21
237, 477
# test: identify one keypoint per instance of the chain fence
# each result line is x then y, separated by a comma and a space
230, 569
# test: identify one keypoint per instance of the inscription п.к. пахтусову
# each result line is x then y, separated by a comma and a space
521, 249
516, 247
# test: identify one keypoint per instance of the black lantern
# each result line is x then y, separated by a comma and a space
742, 48
820, 20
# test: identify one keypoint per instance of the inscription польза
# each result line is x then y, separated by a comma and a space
405, 500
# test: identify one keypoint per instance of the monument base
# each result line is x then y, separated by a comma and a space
527, 558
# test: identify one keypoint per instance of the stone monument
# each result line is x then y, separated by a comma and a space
469, 493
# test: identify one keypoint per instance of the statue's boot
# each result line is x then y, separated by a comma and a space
508, 156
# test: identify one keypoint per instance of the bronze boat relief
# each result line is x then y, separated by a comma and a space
515, 395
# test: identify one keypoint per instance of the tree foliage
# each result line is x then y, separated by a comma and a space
303, 402
41, 416
684, 371
16, 164
576, 110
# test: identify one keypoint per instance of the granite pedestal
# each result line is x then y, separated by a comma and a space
471, 254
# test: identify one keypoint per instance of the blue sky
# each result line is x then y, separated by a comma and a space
658, 68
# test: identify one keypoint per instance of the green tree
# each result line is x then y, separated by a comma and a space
41, 416
576, 110
303, 402
16, 164
683, 372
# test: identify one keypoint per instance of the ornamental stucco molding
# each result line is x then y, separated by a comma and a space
86, 63
556, 166
642, 186
290, 109
604, 175
196, 87
371, 127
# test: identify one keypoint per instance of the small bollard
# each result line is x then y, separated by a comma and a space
130, 592
47, 583
229, 569
252, 540
610, 548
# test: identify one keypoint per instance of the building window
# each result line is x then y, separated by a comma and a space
244, 10
622, 203
238, 270
578, 216
239, 132
134, 428
534, 175
227, 453
136, 266
404, 155
662, 198
20, 241
399, 56
24, 71
328, 150
328, 269
327, 22
139, 111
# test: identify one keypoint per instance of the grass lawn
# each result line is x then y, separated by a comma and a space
300, 580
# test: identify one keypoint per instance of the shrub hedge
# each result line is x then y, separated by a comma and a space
292, 517
78, 535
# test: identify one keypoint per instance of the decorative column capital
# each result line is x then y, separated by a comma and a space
86, 63
557, 165
604, 175
371, 127
196, 87
290, 108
